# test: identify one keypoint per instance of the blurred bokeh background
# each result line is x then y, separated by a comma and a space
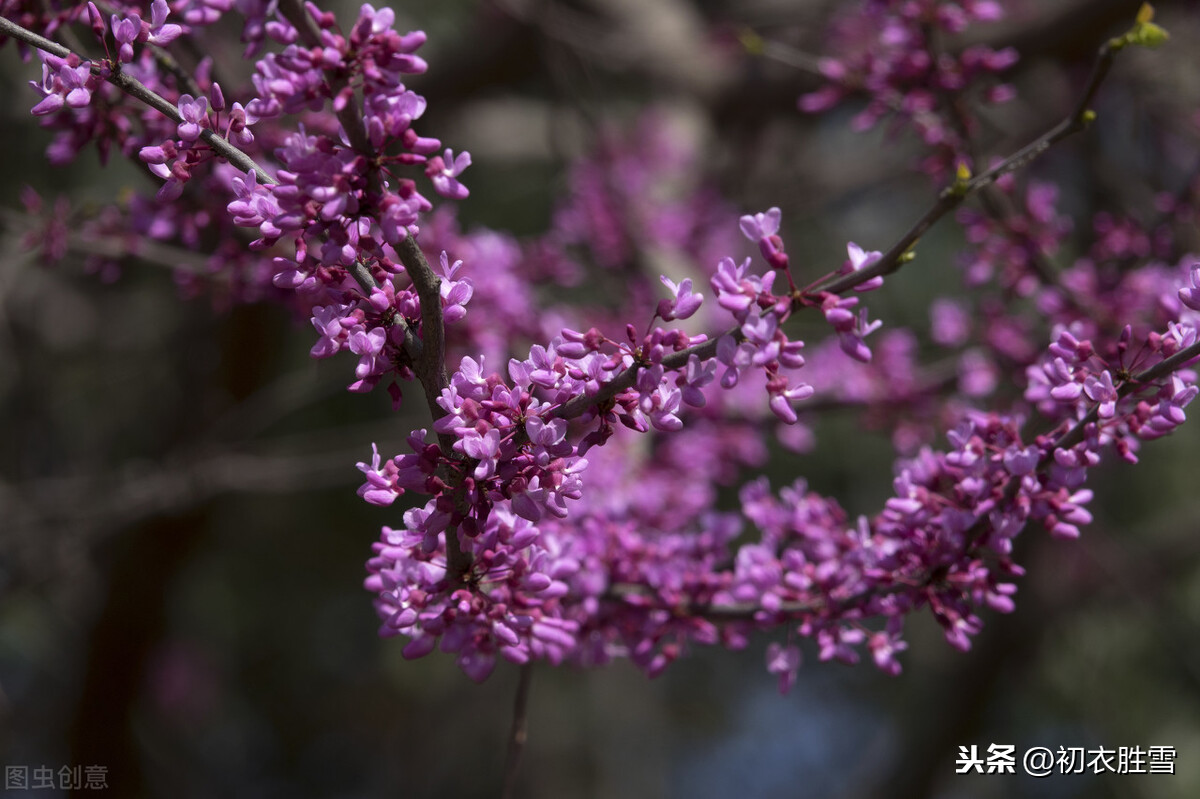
182, 550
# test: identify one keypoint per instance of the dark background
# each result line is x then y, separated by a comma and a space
181, 548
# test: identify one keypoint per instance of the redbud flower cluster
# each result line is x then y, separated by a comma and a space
614, 577
337, 203
571, 509
887, 50
1007, 250
943, 542
1073, 378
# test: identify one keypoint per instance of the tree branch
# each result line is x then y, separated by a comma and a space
748, 611
954, 195
428, 353
137, 90
950, 198
518, 732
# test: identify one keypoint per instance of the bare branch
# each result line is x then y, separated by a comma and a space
518, 732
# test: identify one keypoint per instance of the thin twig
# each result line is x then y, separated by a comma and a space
429, 353
1138, 381
994, 203
898, 255
953, 195
518, 733
148, 251
136, 89
221, 146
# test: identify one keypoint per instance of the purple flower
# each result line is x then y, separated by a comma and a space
238, 125
379, 488
851, 329
162, 33
838, 643
368, 345
1190, 296
661, 406
763, 229
126, 31
696, 376
1066, 387
784, 661
735, 357
76, 84
757, 227
1100, 389
737, 290
860, 260
783, 396
328, 322
884, 647
684, 302
950, 325
1021, 461
205, 12
484, 448
444, 170
455, 294
194, 111
64, 82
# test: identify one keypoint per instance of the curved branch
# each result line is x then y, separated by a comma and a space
428, 353
136, 89
954, 195
950, 198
